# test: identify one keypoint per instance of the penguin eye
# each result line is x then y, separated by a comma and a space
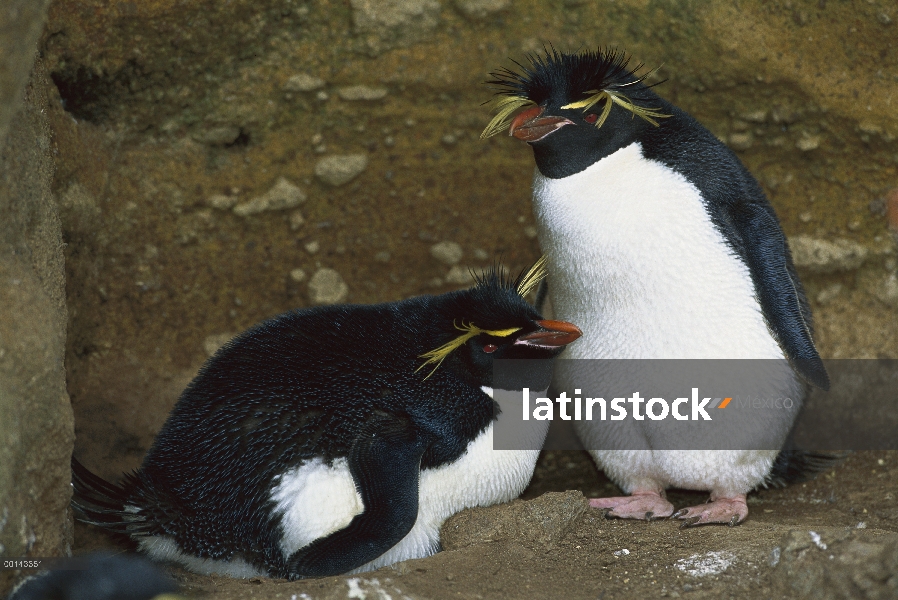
490, 348
591, 118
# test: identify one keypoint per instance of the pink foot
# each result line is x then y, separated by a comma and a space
642, 504
731, 511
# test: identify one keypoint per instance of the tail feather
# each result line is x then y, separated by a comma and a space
98, 502
794, 465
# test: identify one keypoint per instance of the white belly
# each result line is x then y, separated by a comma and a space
636, 262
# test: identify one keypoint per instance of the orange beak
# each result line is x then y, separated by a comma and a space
552, 334
530, 127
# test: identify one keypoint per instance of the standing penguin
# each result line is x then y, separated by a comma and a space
660, 245
335, 439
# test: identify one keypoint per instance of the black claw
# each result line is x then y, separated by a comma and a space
734, 521
649, 515
679, 513
689, 522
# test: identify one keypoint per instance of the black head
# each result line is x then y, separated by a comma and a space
580, 107
492, 320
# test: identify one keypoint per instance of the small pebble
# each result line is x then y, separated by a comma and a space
312, 247
327, 287
808, 142
361, 92
296, 220
740, 141
481, 254
458, 275
218, 136
755, 116
479, 9
340, 169
530, 231
447, 252
212, 343
282, 195
298, 275
322, 95
303, 82
222, 202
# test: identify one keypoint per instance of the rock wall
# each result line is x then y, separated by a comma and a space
223, 162
36, 424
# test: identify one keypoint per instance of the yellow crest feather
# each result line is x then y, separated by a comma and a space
532, 278
504, 107
615, 97
438, 355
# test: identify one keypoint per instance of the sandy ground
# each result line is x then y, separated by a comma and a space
796, 542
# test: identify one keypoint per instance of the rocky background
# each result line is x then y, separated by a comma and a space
203, 165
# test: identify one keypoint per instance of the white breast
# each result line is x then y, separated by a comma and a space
637, 264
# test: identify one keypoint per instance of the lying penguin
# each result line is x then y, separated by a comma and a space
335, 439
660, 245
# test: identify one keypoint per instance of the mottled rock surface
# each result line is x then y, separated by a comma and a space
538, 523
829, 563
36, 426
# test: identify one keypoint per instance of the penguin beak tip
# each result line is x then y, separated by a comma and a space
552, 334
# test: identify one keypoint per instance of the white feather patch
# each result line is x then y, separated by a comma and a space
165, 549
636, 262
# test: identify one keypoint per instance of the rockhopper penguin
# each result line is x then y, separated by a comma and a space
335, 439
660, 245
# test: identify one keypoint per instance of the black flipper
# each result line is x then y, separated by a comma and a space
781, 301
384, 462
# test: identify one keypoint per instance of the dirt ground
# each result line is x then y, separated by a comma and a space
556, 551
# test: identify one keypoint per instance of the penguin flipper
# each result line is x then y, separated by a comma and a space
778, 291
384, 462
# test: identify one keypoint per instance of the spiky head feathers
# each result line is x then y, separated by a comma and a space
494, 306
567, 81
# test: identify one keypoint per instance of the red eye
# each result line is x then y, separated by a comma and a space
591, 118
490, 348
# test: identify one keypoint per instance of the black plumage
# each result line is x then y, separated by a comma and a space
337, 382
